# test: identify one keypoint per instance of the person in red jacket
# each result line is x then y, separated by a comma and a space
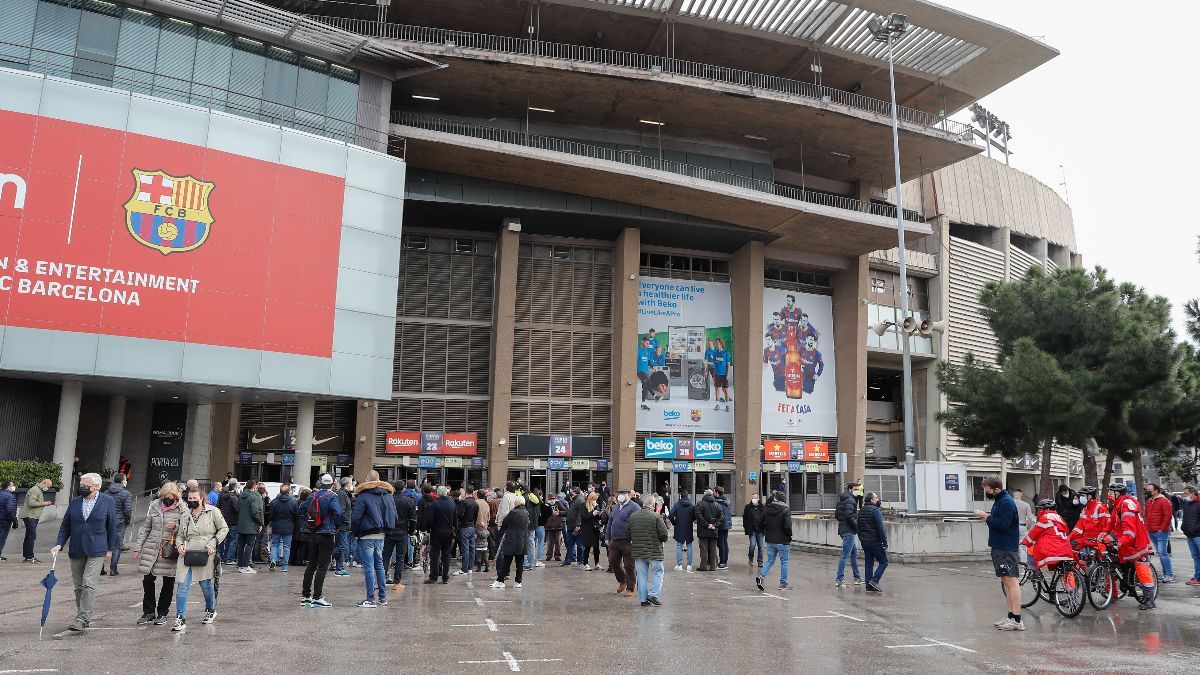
1133, 544
1048, 540
1159, 516
1094, 519
1116, 499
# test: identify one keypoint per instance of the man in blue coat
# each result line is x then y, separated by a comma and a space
91, 525
8, 512
374, 513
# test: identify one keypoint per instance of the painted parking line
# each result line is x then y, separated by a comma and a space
31, 670
830, 614
513, 663
491, 625
930, 642
759, 595
479, 601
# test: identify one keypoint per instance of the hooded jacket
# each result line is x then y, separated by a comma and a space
683, 517
123, 501
1048, 540
229, 504
726, 513
283, 512
708, 512
330, 508
847, 514
374, 512
1094, 520
406, 516
1191, 519
752, 518
250, 512
154, 535
8, 507
507, 502
1066, 507
1133, 542
575, 513
514, 532
777, 523
870, 524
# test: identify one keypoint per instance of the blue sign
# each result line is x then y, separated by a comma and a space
560, 446
556, 463
660, 448
289, 459
476, 462
602, 465
752, 476
431, 442
429, 462
245, 458
952, 481
681, 467
343, 459
709, 448
795, 467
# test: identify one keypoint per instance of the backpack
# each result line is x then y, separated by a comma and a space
314, 515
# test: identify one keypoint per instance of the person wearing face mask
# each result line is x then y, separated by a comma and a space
620, 544
1094, 518
1065, 505
155, 553
201, 529
90, 524
847, 517
752, 523
1191, 529
1159, 515
1003, 539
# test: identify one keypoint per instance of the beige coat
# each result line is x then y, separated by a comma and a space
150, 539
204, 532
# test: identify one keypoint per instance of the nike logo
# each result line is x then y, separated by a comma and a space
318, 441
256, 440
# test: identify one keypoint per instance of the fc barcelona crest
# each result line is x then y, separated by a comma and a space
168, 213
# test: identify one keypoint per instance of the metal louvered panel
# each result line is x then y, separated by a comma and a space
442, 359
1021, 261
448, 416
971, 267
340, 415
545, 417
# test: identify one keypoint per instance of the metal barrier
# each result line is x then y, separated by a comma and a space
652, 64
575, 148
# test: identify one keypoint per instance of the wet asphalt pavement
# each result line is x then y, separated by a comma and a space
930, 618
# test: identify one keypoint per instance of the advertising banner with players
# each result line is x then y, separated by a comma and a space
799, 395
685, 364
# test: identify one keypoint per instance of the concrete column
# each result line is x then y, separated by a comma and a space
223, 454
67, 430
503, 325
1004, 243
626, 280
364, 438
198, 442
1042, 251
114, 432
746, 295
850, 344
939, 310
304, 439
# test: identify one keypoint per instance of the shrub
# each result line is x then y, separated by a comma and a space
26, 474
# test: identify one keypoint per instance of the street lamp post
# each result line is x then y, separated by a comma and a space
888, 30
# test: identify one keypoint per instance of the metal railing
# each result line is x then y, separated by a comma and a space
650, 63
634, 158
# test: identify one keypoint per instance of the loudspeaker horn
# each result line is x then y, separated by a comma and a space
929, 327
881, 328
909, 325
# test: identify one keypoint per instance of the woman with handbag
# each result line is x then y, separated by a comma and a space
201, 529
156, 553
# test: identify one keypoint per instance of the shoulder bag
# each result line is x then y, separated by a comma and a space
166, 548
196, 558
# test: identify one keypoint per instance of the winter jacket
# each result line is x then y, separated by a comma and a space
618, 521
1094, 520
374, 512
726, 513
1066, 507
870, 525
214, 495
250, 512
123, 501
283, 514
229, 503
846, 514
466, 512
347, 503
198, 534
647, 532
406, 516
33, 505
708, 512
1133, 542
1003, 528
514, 532
1191, 519
575, 513
1048, 540
483, 515
438, 517
154, 535
777, 523
8, 507
554, 521
752, 518
1159, 514
330, 508
683, 517
534, 506
507, 502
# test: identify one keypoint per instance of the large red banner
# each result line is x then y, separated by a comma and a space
104, 231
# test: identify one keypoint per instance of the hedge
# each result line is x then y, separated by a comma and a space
27, 474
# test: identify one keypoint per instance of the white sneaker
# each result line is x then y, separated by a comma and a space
459, 573
539, 564
679, 568
1010, 624
180, 625
689, 568
320, 602
587, 568
517, 586
497, 584
248, 570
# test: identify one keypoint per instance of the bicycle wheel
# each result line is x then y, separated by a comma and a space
1101, 587
1031, 585
1145, 594
1068, 592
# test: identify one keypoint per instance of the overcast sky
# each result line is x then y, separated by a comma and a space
1113, 110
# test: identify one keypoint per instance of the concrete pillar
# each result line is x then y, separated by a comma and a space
304, 439
934, 445
223, 454
1041, 251
850, 344
746, 295
1004, 245
625, 391
503, 325
365, 425
198, 442
114, 432
67, 430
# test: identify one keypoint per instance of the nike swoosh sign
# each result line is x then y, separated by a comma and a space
256, 440
318, 441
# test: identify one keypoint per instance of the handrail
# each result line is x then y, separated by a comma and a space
570, 147
651, 63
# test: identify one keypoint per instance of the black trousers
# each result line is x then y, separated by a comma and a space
399, 548
164, 595
320, 548
439, 557
503, 566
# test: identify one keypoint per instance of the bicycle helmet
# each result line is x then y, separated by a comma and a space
1117, 487
1047, 504
1089, 490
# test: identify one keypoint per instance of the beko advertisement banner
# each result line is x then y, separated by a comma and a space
799, 396
684, 356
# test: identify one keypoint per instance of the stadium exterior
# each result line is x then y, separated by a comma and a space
639, 241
